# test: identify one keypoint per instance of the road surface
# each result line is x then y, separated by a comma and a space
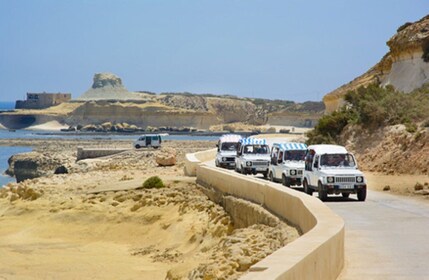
387, 236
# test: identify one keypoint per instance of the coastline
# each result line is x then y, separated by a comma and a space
99, 213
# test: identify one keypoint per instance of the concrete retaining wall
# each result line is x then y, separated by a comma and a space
317, 254
83, 153
193, 160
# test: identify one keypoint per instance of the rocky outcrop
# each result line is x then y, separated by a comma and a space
32, 165
391, 150
405, 66
166, 157
108, 86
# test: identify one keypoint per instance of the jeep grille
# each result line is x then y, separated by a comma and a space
299, 171
345, 179
259, 163
230, 159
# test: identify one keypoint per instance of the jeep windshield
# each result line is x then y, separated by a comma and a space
229, 146
256, 149
294, 155
337, 160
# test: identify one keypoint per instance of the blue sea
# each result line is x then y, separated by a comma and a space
6, 152
7, 105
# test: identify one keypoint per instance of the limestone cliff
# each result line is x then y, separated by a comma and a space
405, 66
108, 86
109, 101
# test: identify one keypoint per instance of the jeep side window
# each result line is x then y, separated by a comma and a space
309, 159
316, 162
274, 154
280, 158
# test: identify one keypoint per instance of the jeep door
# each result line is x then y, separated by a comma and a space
314, 174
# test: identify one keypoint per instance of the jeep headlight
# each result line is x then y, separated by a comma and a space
330, 179
359, 179
224, 159
293, 172
248, 163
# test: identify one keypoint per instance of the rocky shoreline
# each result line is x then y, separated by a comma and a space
98, 211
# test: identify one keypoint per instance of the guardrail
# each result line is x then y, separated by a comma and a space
317, 254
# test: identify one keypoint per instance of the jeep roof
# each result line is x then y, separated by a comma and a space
230, 138
291, 146
253, 141
328, 149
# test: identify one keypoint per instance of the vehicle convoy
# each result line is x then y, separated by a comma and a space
287, 163
227, 150
253, 156
148, 140
331, 169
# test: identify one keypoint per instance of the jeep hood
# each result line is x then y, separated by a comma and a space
341, 172
227, 153
294, 164
256, 157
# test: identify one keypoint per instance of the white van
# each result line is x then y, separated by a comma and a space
148, 140
227, 150
331, 169
287, 163
253, 156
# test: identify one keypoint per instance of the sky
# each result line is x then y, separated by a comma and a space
291, 49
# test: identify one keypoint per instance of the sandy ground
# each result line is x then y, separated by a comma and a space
52, 125
99, 223
398, 184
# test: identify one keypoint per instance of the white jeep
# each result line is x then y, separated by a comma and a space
287, 163
253, 156
331, 169
227, 150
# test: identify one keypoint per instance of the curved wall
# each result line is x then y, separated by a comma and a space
317, 254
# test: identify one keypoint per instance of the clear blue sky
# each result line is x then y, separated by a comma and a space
294, 50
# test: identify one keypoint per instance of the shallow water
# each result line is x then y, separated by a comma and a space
5, 154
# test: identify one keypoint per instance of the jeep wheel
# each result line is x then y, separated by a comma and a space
285, 181
307, 189
323, 194
345, 194
216, 163
243, 171
265, 174
271, 176
361, 194
137, 146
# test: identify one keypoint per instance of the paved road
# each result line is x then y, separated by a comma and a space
387, 236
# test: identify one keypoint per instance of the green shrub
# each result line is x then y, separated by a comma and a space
329, 127
373, 107
153, 182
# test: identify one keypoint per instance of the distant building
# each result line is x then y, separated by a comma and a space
42, 100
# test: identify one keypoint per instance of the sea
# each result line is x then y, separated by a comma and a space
6, 152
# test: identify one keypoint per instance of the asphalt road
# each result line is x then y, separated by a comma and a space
387, 236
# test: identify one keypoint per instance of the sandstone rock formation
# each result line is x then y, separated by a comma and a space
108, 102
32, 165
166, 157
108, 86
405, 66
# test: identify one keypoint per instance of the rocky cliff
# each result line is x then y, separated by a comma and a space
109, 101
405, 66
108, 86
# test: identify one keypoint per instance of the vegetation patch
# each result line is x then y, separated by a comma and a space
153, 182
373, 107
